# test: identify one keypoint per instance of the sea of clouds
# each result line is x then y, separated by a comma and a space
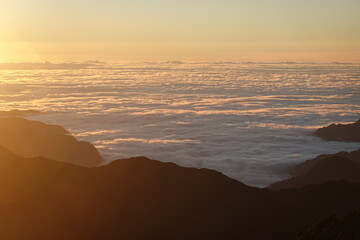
250, 121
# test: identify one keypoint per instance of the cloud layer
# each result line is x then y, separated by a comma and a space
247, 120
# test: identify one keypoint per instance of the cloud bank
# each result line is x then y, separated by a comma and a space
249, 121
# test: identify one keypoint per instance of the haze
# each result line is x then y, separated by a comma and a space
200, 30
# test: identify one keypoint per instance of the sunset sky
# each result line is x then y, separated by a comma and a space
211, 30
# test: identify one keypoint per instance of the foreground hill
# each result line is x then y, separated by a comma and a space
340, 132
334, 228
139, 198
32, 138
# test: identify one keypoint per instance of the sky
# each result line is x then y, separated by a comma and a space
198, 30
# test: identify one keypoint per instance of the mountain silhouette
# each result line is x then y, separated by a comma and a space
32, 139
139, 198
329, 169
340, 132
308, 164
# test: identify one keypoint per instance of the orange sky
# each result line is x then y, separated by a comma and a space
213, 30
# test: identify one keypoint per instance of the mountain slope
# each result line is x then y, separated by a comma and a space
329, 169
140, 198
32, 139
308, 164
340, 132
334, 228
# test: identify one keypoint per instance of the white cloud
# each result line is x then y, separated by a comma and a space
249, 121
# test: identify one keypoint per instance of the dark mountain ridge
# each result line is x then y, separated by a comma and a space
334, 228
329, 169
32, 139
308, 164
340, 132
139, 198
